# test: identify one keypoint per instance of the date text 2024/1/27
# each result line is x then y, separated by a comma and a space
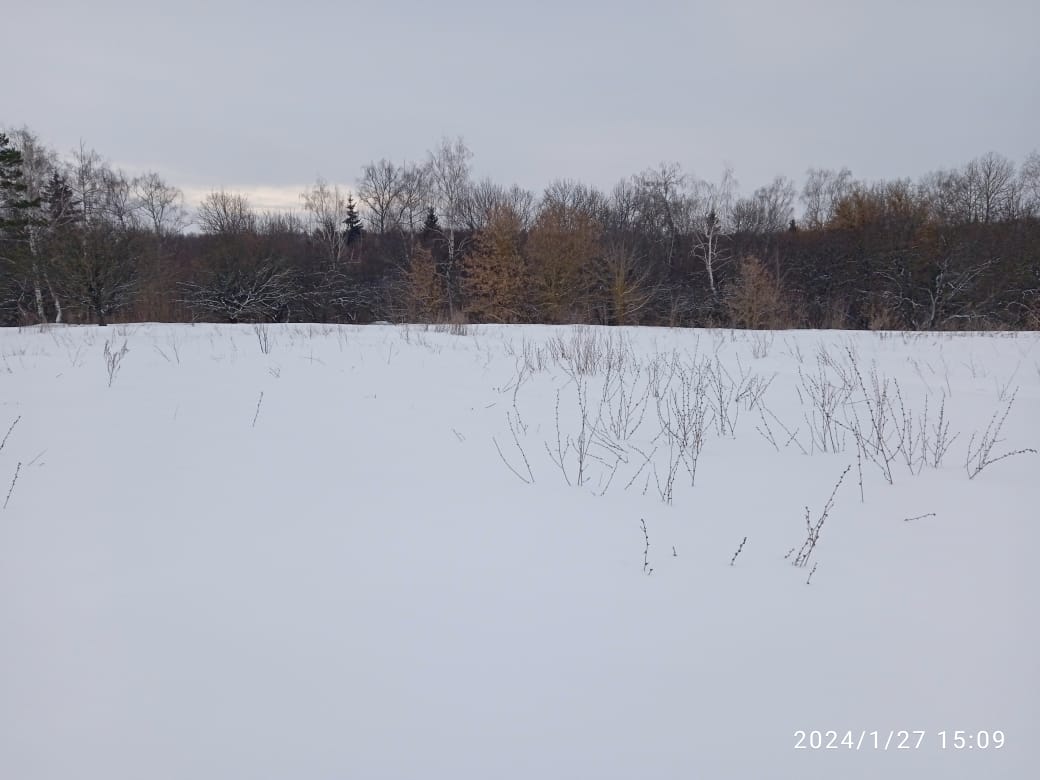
898, 740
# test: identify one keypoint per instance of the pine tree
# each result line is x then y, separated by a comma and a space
20, 217
354, 227
15, 206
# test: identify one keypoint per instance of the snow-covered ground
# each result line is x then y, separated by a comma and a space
517, 552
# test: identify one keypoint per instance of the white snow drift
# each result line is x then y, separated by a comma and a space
517, 552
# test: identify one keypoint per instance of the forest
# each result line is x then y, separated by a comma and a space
426, 242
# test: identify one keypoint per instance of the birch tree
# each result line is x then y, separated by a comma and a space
38, 162
715, 201
822, 191
448, 167
328, 210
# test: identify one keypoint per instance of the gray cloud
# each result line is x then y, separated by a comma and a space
266, 95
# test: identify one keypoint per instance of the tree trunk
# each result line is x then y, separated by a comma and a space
57, 302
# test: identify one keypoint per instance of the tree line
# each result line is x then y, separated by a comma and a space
424, 241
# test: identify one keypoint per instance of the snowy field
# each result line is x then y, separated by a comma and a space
517, 552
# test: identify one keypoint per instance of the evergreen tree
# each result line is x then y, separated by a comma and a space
61, 206
354, 228
430, 225
15, 206
60, 238
18, 215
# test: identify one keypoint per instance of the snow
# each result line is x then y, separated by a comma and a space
308, 558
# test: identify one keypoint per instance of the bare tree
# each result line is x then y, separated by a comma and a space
935, 295
574, 196
88, 177
92, 239
246, 277
716, 203
415, 199
119, 204
448, 167
1029, 184
769, 210
666, 209
327, 207
480, 202
160, 211
104, 194
395, 197
226, 213
621, 211
280, 224
985, 190
161, 204
382, 190
991, 180
823, 190
485, 199
940, 190
100, 276
237, 292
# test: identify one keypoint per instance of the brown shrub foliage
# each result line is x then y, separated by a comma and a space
495, 278
756, 300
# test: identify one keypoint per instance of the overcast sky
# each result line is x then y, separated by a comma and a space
266, 96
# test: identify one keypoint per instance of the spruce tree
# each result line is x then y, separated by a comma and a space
10, 168
60, 203
430, 225
354, 228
